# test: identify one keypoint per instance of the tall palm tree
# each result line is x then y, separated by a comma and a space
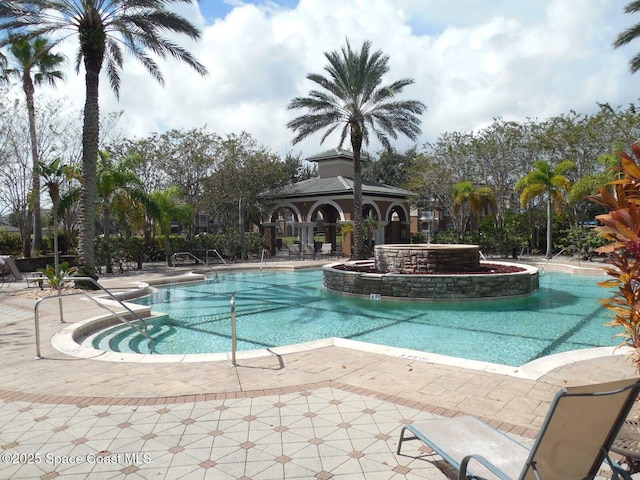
629, 35
353, 98
548, 183
103, 28
469, 202
35, 64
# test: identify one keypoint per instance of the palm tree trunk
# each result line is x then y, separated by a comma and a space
56, 256
90, 141
107, 236
549, 224
27, 86
358, 224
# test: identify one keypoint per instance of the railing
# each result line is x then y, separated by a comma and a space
143, 332
206, 256
552, 258
262, 258
526, 247
234, 341
173, 259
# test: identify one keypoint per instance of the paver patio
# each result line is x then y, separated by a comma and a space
331, 412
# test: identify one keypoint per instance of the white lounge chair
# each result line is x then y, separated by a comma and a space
8, 267
573, 442
325, 250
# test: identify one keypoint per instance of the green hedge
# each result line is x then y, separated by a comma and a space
134, 249
10, 243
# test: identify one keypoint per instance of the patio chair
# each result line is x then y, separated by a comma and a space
308, 251
294, 251
8, 268
573, 442
325, 250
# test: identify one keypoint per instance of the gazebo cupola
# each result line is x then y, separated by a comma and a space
334, 163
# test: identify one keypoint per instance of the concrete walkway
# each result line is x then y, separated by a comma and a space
329, 412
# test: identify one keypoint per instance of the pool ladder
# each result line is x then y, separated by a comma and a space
143, 331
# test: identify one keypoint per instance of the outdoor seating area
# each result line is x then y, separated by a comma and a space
573, 442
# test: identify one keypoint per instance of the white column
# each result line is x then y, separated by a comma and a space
380, 233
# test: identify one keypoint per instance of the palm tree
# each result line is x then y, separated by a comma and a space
171, 208
630, 34
54, 175
103, 28
469, 202
549, 183
34, 56
353, 98
118, 186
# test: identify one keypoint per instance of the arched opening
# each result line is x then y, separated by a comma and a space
396, 229
326, 217
282, 227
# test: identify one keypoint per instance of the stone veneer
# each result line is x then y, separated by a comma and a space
427, 258
431, 286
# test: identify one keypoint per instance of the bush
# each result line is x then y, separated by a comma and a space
10, 243
132, 249
580, 240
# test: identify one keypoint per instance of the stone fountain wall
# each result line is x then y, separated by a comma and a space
432, 286
410, 259
428, 272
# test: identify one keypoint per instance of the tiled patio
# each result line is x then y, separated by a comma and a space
331, 412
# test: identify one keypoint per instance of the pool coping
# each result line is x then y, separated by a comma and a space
71, 340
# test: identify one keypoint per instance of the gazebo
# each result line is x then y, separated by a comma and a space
323, 203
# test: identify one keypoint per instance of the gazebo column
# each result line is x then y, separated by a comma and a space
306, 233
270, 236
379, 236
405, 233
330, 234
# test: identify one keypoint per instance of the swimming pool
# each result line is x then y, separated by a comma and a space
283, 308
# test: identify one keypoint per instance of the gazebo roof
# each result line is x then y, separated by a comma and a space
331, 154
336, 186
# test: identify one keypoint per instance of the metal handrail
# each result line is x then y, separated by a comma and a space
553, 258
192, 256
262, 258
143, 332
206, 253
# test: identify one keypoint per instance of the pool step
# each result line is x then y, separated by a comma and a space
122, 338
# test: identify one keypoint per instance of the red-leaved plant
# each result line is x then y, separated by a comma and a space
622, 227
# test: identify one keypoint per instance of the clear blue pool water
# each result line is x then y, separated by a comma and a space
283, 308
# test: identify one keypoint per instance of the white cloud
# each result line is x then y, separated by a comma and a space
470, 63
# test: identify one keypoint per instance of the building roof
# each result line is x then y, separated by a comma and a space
332, 154
335, 186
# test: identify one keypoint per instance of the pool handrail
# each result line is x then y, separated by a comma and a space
144, 332
262, 258
206, 257
173, 260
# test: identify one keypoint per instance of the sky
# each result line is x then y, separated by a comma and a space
471, 61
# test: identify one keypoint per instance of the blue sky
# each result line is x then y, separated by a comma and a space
472, 61
216, 9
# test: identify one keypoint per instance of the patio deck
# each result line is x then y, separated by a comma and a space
325, 413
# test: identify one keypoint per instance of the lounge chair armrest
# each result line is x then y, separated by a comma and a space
486, 463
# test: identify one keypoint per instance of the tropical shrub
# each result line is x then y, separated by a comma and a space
584, 241
56, 280
10, 243
621, 227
